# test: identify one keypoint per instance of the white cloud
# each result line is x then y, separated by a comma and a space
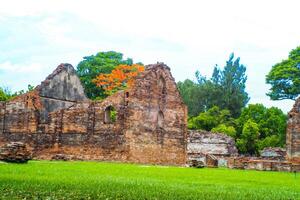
186, 35
9, 67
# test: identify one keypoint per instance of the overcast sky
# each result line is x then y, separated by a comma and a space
36, 36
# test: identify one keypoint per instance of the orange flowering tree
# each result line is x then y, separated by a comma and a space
120, 78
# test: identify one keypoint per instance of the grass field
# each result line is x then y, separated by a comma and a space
98, 180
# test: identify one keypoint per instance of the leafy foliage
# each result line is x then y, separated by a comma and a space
192, 95
247, 142
271, 121
284, 77
230, 86
222, 128
225, 89
211, 119
101, 63
121, 77
6, 94
256, 128
113, 115
269, 141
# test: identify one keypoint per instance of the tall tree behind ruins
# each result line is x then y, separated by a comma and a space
91, 66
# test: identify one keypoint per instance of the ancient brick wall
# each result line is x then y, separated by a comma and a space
57, 118
211, 143
156, 118
253, 163
203, 143
293, 133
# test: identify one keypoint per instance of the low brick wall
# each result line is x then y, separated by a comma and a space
262, 165
204, 145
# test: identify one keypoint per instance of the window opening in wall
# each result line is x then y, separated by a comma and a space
162, 85
160, 119
110, 115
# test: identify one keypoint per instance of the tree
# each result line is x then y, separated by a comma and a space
284, 77
91, 66
232, 81
194, 96
122, 77
270, 141
211, 119
222, 128
247, 143
226, 88
271, 123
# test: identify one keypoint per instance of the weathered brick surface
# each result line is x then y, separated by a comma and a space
57, 119
257, 163
293, 133
210, 143
15, 152
204, 145
275, 153
155, 126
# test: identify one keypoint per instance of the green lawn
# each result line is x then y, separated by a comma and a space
98, 180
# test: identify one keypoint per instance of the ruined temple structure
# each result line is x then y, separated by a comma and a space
293, 134
56, 118
212, 149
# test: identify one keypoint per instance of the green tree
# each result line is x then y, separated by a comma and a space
232, 81
271, 123
211, 92
284, 77
226, 88
269, 141
191, 96
211, 119
195, 96
222, 128
247, 143
91, 66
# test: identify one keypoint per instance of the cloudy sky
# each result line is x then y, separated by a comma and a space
37, 35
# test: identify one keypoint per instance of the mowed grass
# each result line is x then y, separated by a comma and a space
98, 180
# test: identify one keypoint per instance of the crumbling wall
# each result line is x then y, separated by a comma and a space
202, 143
273, 153
293, 133
57, 119
60, 90
156, 118
259, 164
211, 143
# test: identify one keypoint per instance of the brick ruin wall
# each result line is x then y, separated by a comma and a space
57, 118
293, 133
201, 144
